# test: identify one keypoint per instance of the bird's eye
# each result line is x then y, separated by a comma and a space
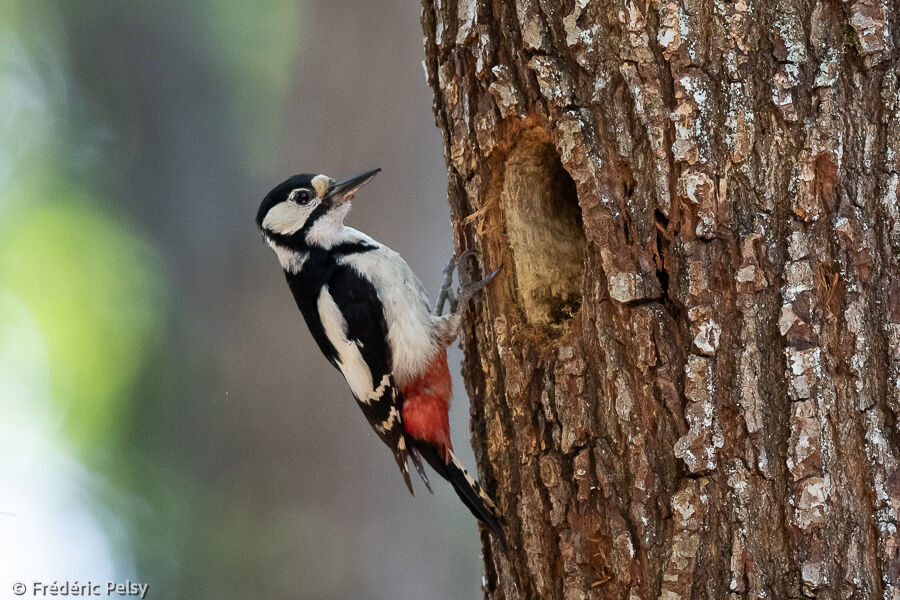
303, 197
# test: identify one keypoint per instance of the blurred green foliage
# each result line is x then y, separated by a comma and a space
96, 291
76, 269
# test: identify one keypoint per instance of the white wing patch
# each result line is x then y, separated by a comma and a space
350, 359
412, 329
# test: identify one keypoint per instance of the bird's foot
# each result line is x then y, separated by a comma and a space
446, 294
466, 291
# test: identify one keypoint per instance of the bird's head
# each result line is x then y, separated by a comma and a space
308, 209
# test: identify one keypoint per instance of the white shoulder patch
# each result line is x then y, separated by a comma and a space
413, 331
350, 359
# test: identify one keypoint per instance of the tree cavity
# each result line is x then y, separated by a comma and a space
545, 231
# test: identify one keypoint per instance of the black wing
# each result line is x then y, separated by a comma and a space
358, 302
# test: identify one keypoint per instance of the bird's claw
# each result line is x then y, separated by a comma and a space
467, 290
470, 290
446, 293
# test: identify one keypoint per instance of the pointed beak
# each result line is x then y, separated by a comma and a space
343, 190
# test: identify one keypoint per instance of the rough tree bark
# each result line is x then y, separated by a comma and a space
685, 381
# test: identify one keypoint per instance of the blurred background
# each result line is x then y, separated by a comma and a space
164, 414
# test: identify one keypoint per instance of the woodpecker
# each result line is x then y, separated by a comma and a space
370, 316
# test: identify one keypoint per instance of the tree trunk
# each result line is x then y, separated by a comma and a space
685, 380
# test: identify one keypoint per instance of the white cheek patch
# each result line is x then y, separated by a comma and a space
321, 183
286, 218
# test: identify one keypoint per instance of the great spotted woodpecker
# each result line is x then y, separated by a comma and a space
371, 318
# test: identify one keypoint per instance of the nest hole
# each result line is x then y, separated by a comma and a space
545, 231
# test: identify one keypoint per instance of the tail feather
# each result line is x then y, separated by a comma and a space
400, 455
466, 487
420, 468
